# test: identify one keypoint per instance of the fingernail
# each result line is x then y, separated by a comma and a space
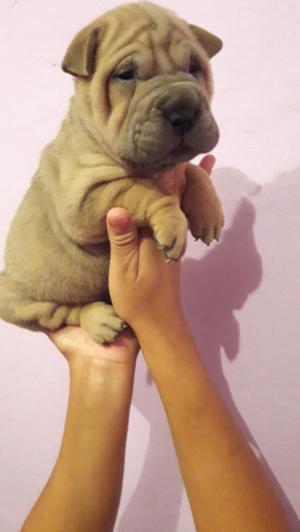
119, 222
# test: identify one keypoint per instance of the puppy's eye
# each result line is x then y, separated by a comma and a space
195, 69
126, 74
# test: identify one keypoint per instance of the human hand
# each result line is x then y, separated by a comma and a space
144, 288
207, 163
77, 345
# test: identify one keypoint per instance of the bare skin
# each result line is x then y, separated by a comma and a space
83, 491
225, 484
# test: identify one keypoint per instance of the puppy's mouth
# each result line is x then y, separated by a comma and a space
181, 150
177, 155
187, 145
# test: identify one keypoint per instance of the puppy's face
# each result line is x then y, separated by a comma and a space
144, 86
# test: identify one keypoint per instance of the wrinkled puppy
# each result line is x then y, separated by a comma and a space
140, 112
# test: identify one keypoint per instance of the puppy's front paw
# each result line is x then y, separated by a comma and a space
171, 236
206, 221
201, 205
101, 322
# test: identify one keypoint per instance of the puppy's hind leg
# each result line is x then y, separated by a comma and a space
17, 308
98, 319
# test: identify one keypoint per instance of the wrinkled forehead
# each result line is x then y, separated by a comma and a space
156, 42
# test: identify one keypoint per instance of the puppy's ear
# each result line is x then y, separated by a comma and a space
210, 42
80, 57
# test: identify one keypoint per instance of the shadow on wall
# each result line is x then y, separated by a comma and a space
225, 277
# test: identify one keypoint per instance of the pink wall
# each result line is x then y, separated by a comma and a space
241, 295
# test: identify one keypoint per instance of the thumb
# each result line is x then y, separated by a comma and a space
208, 163
122, 232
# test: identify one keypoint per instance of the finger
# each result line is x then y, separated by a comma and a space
208, 163
149, 254
122, 232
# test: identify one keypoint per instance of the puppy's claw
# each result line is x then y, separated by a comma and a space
158, 244
168, 248
218, 234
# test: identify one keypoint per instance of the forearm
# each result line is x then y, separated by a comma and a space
82, 494
226, 486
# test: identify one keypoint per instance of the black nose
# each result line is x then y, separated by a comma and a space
182, 120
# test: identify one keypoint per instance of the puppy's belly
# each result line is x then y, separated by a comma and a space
47, 266
77, 279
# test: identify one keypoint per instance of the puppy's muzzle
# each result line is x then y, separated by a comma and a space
181, 113
182, 121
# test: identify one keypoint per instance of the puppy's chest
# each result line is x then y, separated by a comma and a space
173, 181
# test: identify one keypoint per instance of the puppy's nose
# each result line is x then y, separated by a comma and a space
182, 120
181, 114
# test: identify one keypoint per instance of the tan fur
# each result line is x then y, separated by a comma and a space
110, 151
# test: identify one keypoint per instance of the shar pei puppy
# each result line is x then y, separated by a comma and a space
140, 113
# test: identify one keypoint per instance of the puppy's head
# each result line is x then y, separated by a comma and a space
144, 86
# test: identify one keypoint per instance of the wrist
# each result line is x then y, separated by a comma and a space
166, 340
158, 323
96, 374
99, 364
175, 365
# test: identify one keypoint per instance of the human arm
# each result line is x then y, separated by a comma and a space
83, 491
225, 484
